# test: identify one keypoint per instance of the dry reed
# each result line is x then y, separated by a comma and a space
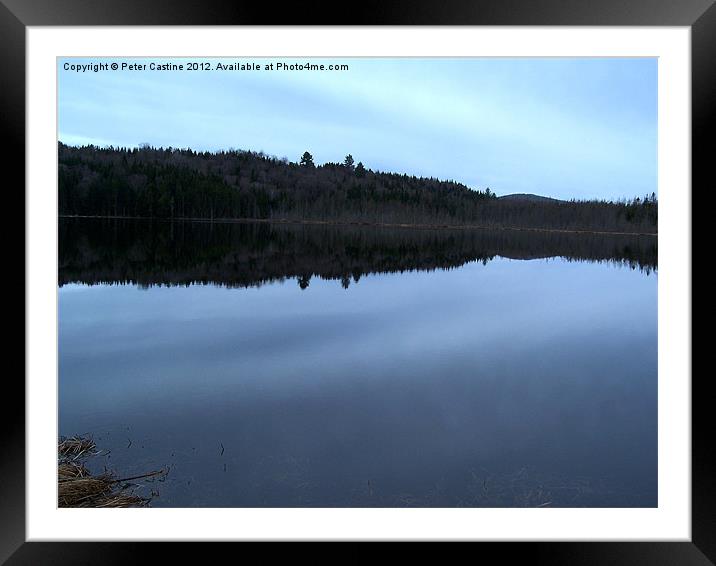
77, 487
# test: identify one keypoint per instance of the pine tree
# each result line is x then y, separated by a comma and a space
307, 160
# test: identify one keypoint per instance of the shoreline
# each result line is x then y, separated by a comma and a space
361, 224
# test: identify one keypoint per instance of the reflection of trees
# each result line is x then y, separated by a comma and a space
149, 253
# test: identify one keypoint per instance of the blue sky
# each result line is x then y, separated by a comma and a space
566, 128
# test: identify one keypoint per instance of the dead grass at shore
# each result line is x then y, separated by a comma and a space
75, 447
77, 487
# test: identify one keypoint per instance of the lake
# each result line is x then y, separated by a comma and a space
288, 365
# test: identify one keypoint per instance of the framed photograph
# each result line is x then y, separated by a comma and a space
388, 274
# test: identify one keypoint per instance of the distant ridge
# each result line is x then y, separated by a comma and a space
528, 197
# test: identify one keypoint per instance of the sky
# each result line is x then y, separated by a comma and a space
566, 128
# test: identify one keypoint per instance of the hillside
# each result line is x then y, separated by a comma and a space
182, 183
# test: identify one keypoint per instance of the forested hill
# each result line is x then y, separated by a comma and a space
181, 183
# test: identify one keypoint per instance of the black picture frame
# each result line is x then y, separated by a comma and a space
17, 15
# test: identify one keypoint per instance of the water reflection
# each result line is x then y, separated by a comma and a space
452, 376
150, 253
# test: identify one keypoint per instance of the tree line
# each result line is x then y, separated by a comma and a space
170, 183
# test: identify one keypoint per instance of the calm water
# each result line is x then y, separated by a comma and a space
312, 366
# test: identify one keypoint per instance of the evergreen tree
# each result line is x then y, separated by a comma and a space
307, 160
